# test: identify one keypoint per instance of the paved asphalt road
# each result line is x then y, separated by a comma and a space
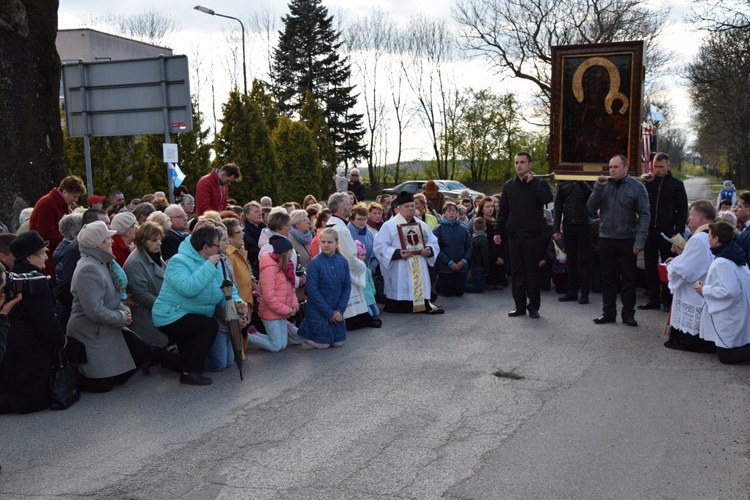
412, 410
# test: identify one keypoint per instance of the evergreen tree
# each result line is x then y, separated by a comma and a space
262, 94
195, 152
313, 118
116, 163
307, 59
244, 139
299, 164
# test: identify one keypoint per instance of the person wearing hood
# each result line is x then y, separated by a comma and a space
431, 191
34, 332
728, 192
455, 252
725, 318
99, 319
340, 181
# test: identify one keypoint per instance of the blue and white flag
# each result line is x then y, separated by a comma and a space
177, 175
656, 114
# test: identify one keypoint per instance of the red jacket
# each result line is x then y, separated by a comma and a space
120, 250
48, 211
209, 194
277, 295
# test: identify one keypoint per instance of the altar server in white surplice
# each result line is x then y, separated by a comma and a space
683, 271
406, 276
356, 315
726, 312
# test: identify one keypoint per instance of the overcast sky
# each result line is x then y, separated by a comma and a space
201, 34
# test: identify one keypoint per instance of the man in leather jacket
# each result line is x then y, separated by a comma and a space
571, 212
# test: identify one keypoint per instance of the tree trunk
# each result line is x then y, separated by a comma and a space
30, 132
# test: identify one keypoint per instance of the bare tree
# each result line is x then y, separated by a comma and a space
721, 15
150, 26
431, 47
263, 27
367, 41
516, 36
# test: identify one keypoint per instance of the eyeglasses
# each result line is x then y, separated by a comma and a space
238, 232
353, 175
183, 216
213, 245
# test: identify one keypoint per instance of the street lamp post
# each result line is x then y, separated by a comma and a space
206, 10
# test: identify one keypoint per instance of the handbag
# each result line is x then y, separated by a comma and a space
63, 387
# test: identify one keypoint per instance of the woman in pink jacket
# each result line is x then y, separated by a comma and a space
278, 300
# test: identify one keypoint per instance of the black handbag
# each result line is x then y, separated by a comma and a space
63, 387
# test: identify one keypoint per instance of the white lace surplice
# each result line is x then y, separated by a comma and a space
687, 268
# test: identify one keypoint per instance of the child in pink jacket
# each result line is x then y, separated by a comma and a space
278, 300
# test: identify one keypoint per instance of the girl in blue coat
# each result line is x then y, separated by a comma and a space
455, 252
328, 288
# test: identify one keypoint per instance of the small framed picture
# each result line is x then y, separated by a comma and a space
411, 237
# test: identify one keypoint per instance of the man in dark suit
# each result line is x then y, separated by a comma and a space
669, 209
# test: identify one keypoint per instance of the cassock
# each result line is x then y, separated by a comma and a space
725, 319
357, 269
684, 270
406, 281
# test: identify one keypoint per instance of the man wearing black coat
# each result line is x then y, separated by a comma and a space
669, 209
572, 217
521, 215
355, 186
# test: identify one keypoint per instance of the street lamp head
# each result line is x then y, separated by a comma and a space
204, 9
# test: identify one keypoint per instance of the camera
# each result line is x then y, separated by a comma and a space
16, 283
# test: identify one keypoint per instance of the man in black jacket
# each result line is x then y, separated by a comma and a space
669, 209
522, 216
355, 186
570, 209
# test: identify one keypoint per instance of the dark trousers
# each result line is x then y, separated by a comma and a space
477, 281
524, 261
656, 247
578, 247
194, 335
139, 351
618, 264
452, 283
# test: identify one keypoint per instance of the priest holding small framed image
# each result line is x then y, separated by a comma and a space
410, 236
405, 248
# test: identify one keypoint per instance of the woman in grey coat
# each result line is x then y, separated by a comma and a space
99, 317
145, 271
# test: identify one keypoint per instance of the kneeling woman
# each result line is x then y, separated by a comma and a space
188, 298
99, 318
328, 288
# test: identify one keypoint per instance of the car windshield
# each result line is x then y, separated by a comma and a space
455, 185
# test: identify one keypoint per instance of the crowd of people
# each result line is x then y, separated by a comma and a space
150, 283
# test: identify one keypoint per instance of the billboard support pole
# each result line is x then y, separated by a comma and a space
165, 112
86, 134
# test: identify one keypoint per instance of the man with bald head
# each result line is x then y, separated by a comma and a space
624, 216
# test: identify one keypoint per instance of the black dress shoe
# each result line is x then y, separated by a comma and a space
376, 323
517, 312
568, 297
584, 299
195, 379
533, 314
649, 305
604, 319
630, 321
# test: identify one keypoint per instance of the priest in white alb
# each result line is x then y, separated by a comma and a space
405, 248
683, 271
